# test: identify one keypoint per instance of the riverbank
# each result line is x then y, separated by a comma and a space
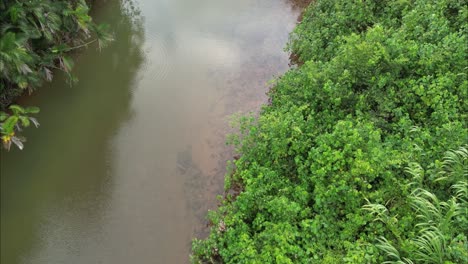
143, 131
353, 141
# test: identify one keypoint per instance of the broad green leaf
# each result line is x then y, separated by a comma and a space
17, 109
25, 121
9, 125
32, 110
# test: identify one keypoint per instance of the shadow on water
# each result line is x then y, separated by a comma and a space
76, 126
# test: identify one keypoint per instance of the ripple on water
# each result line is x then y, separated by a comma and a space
158, 51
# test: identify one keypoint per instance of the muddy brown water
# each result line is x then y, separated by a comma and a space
127, 162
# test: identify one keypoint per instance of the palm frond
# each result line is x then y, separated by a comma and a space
460, 190
391, 252
455, 165
431, 246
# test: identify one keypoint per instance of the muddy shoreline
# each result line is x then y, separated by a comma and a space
243, 85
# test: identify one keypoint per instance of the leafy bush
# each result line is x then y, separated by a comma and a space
382, 86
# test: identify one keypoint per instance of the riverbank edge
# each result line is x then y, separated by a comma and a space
235, 186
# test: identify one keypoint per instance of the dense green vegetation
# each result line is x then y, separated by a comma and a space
36, 38
360, 156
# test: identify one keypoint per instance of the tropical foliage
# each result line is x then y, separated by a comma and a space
332, 169
10, 124
36, 38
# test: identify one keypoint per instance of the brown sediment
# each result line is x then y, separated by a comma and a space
300, 5
294, 59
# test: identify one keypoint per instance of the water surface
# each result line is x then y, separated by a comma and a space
127, 161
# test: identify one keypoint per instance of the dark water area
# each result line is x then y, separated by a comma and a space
127, 162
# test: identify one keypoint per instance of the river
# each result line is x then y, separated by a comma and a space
128, 160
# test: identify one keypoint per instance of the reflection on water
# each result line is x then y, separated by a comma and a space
127, 162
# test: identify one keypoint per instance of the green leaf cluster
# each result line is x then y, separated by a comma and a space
35, 39
382, 87
11, 123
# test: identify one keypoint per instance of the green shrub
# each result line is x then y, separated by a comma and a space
383, 86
